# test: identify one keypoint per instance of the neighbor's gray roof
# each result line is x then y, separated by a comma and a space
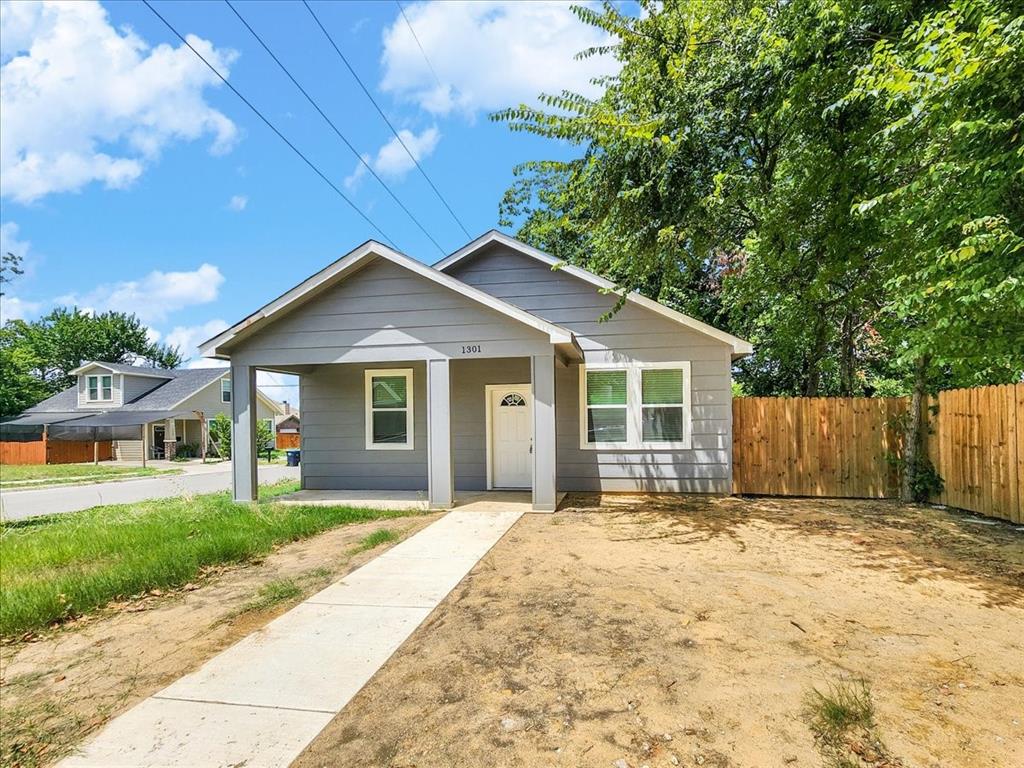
182, 383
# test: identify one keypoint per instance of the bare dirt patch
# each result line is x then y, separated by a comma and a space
654, 631
58, 688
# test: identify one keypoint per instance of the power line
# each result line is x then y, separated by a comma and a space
271, 126
334, 127
385, 117
419, 45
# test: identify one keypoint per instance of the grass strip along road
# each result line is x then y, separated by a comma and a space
56, 568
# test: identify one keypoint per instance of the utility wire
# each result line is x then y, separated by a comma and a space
334, 127
272, 127
419, 44
385, 117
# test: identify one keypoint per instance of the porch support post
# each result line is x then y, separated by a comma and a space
542, 376
243, 432
440, 477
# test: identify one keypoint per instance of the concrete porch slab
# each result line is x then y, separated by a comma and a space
466, 501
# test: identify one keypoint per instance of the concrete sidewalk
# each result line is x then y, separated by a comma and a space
19, 504
260, 702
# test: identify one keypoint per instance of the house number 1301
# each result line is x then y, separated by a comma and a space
471, 349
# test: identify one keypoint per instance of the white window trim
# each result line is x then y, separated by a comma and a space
604, 444
368, 375
226, 391
634, 408
99, 388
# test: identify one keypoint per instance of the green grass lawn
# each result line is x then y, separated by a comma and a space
40, 475
58, 567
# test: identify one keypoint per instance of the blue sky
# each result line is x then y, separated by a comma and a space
134, 180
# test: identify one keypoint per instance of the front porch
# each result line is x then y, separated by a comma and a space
412, 434
466, 501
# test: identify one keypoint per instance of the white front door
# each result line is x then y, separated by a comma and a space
511, 446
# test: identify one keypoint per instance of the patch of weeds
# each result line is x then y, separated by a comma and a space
842, 719
317, 574
38, 733
375, 539
272, 593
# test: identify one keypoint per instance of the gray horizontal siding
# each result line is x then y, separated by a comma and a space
385, 313
334, 454
115, 385
632, 334
469, 416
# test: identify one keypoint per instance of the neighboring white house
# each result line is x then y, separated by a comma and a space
492, 369
170, 406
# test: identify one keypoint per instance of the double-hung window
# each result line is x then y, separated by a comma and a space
605, 398
101, 388
225, 390
389, 415
635, 406
663, 407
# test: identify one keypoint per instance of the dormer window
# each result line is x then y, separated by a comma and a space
101, 388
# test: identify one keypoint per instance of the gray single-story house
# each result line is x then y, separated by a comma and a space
489, 370
170, 405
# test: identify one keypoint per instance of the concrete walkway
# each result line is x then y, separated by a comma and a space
19, 504
260, 702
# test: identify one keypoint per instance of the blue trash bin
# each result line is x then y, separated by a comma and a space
293, 458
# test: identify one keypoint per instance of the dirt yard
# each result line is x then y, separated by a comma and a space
58, 688
630, 631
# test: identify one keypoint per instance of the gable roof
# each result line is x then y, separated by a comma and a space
134, 370
352, 262
180, 384
739, 346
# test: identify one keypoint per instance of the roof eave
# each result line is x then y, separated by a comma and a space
740, 347
218, 346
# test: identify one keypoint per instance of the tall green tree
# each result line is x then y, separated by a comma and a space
949, 160
719, 176
36, 357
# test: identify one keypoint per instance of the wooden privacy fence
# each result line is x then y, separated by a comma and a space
286, 440
977, 446
846, 447
816, 446
52, 452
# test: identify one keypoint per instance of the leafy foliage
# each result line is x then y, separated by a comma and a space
838, 182
37, 357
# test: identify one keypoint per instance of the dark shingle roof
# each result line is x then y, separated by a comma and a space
181, 383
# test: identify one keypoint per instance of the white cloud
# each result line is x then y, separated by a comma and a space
9, 242
13, 308
353, 179
238, 202
489, 55
155, 296
392, 161
187, 338
83, 101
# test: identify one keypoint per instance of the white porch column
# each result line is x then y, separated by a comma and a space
243, 432
542, 376
440, 476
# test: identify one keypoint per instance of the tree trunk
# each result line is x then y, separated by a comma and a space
912, 442
813, 382
846, 355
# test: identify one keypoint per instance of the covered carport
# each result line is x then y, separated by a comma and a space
74, 437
